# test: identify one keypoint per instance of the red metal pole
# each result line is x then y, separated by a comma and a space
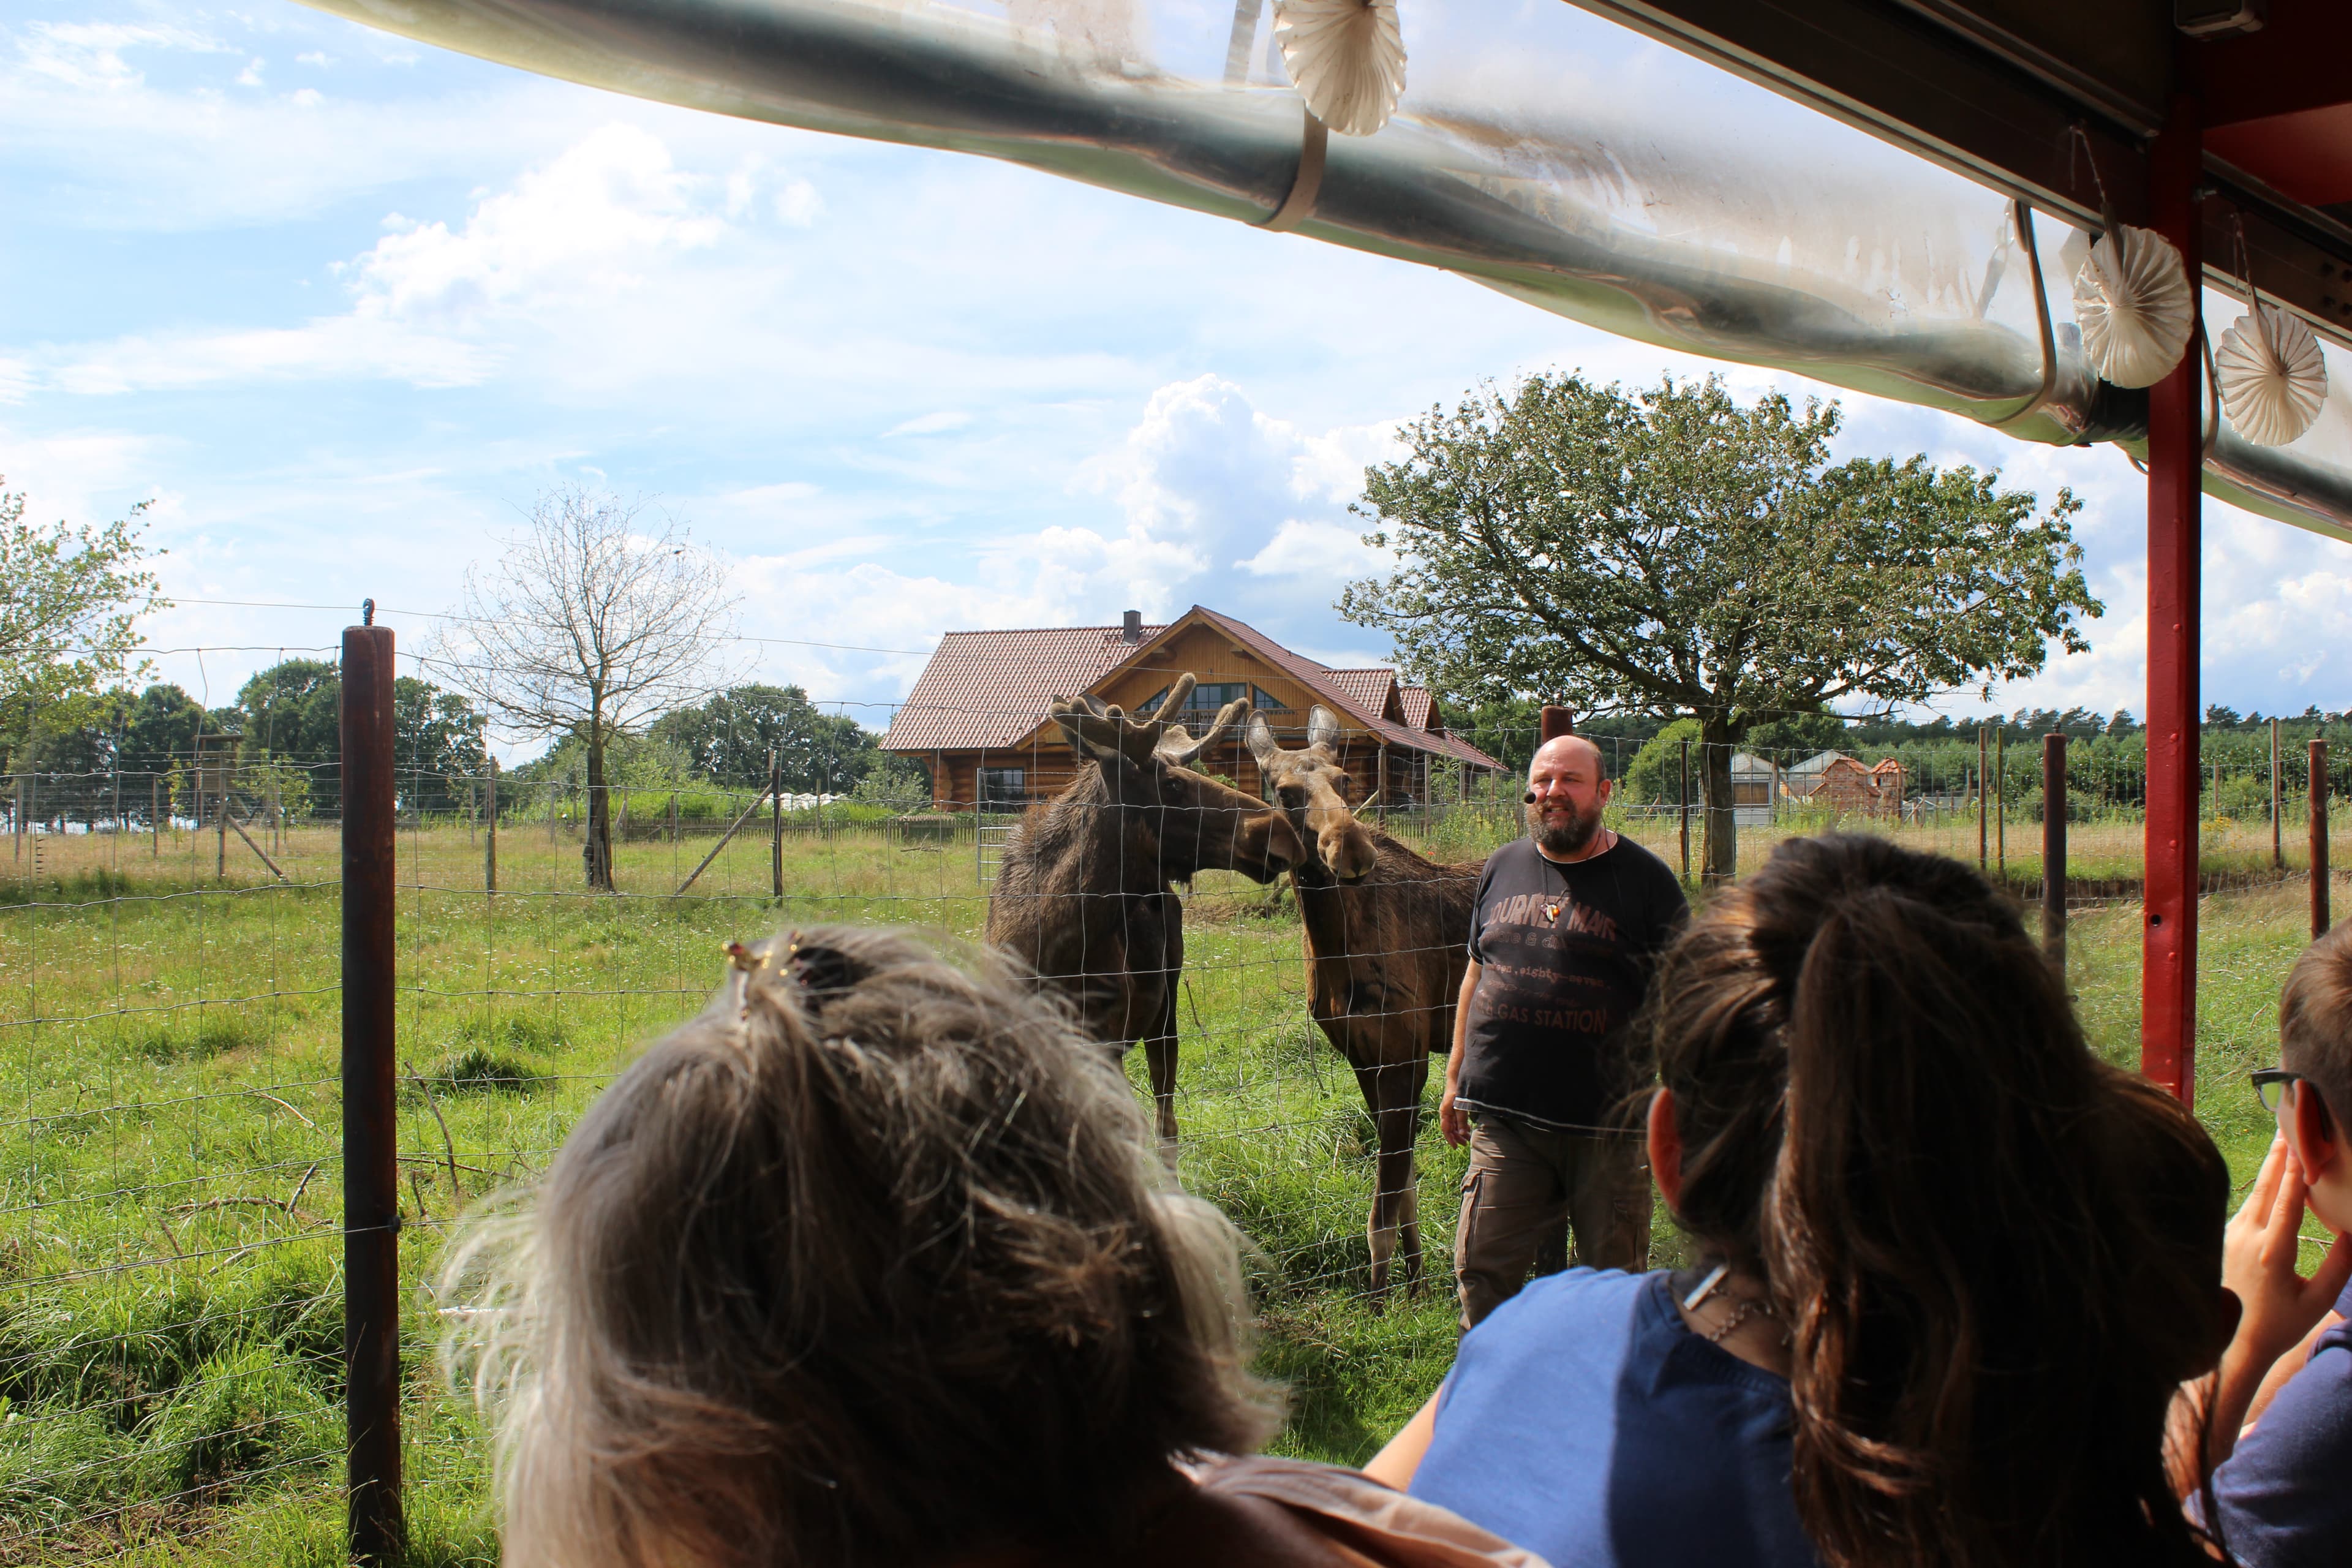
370, 1141
1557, 722
2168, 1041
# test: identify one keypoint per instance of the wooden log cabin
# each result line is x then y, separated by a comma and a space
976, 720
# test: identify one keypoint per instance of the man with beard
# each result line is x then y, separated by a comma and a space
1569, 923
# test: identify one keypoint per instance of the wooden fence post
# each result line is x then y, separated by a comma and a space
1682, 794
371, 1131
2278, 843
776, 825
155, 816
1983, 859
2053, 850
2317, 795
2000, 804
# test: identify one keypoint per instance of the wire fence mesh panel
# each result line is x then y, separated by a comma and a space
171, 1301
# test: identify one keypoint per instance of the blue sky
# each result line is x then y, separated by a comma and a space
344, 306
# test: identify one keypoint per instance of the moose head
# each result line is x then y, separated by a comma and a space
1311, 787
1199, 823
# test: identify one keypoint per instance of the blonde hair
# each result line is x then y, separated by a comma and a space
873, 1261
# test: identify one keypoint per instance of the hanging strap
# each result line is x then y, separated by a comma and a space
2022, 216
1299, 205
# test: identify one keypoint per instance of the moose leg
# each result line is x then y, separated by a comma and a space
1159, 1054
1393, 1094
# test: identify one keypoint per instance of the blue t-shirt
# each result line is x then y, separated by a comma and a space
1584, 1421
2286, 1492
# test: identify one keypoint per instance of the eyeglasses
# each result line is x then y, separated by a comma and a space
2270, 1087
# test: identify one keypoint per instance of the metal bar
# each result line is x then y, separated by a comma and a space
2316, 794
371, 1168
1557, 722
2175, 517
724, 839
2054, 849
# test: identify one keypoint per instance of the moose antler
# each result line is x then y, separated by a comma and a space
1099, 730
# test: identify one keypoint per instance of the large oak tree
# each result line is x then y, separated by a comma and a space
1673, 552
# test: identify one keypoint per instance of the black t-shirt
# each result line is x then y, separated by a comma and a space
1565, 954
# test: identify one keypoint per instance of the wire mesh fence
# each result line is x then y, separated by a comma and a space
171, 1319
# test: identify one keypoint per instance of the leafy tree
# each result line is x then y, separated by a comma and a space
1656, 773
159, 729
589, 626
293, 710
68, 600
729, 738
1673, 552
438, 743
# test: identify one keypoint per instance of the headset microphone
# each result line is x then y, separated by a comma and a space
1528, 798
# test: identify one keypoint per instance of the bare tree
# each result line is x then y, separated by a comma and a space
590, 626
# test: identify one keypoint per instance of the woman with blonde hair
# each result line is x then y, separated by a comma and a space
873, 1263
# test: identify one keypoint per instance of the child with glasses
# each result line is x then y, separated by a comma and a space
2282, 1489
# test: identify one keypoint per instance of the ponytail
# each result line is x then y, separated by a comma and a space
1939, 1202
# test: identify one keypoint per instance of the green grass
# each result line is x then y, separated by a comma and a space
170, 1297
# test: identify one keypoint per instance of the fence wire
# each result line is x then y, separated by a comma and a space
171, 1319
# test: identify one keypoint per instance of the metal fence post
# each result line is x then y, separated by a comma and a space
490, 834
370, 1189
2315, 792
155, 816
2054, 849
775, 825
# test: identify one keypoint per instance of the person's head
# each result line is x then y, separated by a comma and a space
1567, 788
2315, 1041
1987, 1247
871, 1262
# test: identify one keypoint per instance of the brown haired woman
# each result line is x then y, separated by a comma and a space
1951, 1266
873, 1263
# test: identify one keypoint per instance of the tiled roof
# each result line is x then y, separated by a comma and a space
989, 688
1367, 688
986, 690
1418, 707
1321, 678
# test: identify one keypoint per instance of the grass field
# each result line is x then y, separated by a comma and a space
170, 1319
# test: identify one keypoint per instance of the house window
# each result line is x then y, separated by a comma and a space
1208, 697
1004, 787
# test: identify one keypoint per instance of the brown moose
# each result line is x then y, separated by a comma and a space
1083, 895
1387, 937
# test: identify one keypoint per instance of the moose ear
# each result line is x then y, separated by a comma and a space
1260, 736
1322, 726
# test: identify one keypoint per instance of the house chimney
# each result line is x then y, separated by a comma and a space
1133, 630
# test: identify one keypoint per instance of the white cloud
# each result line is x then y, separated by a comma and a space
251, 75
89, 55
930, 424
317, 57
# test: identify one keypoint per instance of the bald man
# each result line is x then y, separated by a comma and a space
1569, 925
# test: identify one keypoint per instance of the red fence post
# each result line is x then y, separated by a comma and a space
2316, 791
2167, 1040
370, 1182
1557, 722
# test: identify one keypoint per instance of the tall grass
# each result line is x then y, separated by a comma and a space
170, 1190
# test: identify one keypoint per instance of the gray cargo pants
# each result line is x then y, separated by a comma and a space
1525, 1186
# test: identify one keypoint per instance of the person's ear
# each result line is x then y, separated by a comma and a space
2312, 1137
1665, 1147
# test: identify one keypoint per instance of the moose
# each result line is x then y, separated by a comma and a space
1387, 940
1084, 894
